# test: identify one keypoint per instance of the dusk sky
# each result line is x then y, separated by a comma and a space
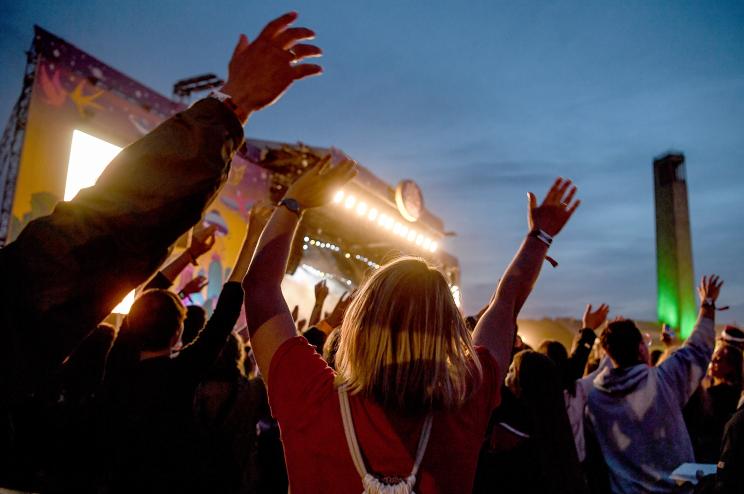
480, 102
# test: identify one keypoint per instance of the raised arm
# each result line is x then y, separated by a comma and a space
321, 293
496, 329
68, 270
684, 368
590, 322
269, 321
202, 240
203, 351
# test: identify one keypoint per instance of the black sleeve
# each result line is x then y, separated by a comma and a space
198, 357
316, 338
158, 281
580, 354
730, 474
66, 271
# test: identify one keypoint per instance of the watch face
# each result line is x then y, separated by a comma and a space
409, 199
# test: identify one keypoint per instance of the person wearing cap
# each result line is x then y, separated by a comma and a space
716, 399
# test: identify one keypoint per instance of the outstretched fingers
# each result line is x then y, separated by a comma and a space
290, 37
303, 51
278, 25
552, 195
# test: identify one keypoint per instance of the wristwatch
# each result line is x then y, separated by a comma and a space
292, 205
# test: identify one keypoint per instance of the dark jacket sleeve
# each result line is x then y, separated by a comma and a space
580, 354
67, 271
196, 358
159, 281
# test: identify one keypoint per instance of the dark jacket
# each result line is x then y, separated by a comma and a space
65, 272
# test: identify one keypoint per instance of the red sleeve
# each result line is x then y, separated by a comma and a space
299, 379
490, 387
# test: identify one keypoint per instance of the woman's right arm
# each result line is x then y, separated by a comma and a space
497, 328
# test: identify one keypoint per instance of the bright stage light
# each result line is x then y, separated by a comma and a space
385, 221
89, 156
124, 305
456, 295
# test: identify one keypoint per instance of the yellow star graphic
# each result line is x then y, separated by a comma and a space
82, 101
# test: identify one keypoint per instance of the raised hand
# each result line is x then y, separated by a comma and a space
337, 315
710, 288
594, 319
321, 290
202, 240
316, 186
554, 212
194, 285
261, 71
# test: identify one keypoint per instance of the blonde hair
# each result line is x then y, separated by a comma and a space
405, 344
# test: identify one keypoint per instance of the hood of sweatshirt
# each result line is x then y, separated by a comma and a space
621, 381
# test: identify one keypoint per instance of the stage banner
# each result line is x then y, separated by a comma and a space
81, 114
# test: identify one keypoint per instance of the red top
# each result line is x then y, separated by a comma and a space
305, 402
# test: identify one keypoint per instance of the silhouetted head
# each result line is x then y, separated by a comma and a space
555, 351
404, 343
624, 343
230, 364
156, 320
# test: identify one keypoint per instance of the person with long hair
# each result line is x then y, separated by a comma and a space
541, 458
410, 400
714, 402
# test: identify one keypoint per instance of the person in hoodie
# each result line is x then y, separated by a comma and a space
635, 410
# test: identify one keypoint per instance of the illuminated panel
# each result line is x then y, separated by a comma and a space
89, 156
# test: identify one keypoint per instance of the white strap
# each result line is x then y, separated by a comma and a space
356, 454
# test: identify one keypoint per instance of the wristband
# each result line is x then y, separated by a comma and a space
541, 236
292, 205
229, 102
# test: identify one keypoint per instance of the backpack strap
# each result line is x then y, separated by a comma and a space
351, 439
356, 454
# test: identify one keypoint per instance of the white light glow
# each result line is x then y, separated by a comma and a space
89, 156
124, 305
456, 295
388, 222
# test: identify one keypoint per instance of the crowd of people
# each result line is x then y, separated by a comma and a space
391, 391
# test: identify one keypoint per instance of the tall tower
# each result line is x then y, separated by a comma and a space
676, 290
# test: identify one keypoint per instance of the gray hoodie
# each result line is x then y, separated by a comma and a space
636, 415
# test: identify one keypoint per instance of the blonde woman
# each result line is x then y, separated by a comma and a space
409, 404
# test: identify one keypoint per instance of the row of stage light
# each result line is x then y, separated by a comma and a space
363, 210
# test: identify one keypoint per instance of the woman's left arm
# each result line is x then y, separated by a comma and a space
269, 320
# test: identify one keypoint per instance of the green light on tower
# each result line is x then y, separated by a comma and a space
676, 304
